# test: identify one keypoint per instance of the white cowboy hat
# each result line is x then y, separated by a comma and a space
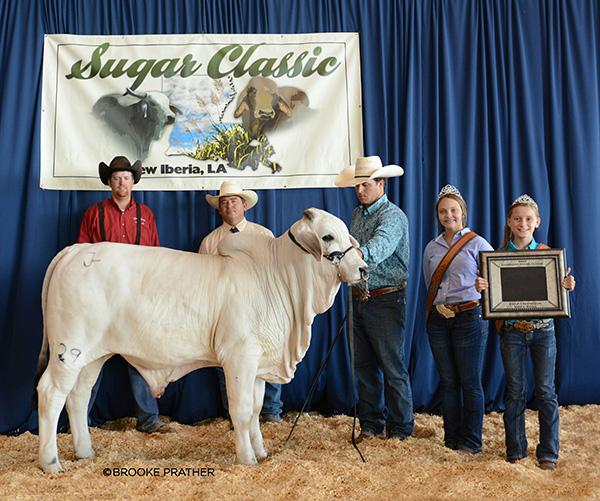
231, 188
366, 168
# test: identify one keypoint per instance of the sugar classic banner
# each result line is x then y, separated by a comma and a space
271, 111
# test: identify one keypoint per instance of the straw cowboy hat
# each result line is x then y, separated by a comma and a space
230, 188
119, 164
366, 168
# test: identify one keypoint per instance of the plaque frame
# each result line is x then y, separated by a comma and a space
524, 284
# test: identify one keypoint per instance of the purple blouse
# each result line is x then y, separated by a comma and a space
458, 283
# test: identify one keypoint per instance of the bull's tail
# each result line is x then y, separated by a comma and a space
44, 351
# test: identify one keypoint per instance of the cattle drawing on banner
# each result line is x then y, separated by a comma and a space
268, 113
138, 117
261, 107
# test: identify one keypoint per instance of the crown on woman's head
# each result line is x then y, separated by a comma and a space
449, 189
525, 200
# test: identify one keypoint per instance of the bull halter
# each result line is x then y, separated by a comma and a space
335, 257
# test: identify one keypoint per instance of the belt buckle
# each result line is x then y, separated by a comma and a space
444, 311
524, 326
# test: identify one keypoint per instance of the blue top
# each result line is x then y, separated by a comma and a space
458, 283
382, 232
532, 246
542, 323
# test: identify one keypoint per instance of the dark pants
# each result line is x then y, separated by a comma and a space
146, 407
384, 392
272, 404
458, 346
542, 346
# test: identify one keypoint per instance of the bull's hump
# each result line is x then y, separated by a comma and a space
245, 244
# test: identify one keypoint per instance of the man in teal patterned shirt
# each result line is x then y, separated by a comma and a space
385, 406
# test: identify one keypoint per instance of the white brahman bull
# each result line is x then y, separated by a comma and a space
167, 312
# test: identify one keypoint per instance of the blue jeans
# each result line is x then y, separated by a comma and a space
384, 392
458, 346
542, 345
272, 404
146, 407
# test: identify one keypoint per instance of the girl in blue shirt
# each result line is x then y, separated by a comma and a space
537, 336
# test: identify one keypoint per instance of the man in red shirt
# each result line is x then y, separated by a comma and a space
116, 219
121, 219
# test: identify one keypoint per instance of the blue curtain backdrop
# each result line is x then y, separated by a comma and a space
499, 97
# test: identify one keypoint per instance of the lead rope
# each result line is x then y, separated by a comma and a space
316, 378
350, 329
323, 364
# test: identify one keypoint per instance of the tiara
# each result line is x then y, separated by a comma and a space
449, 190
525, 200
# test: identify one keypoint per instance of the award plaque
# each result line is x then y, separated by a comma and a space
524, 284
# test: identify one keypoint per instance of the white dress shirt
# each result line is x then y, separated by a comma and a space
211, 241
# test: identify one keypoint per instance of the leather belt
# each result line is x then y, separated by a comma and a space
450, 310
526, 326
362, 295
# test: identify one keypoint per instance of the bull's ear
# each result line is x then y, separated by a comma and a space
242, 103
311, 242
284, 107
299, 98
354, 242
306, 236
309, 214
242, 107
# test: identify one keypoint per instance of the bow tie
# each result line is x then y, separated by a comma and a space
233, 229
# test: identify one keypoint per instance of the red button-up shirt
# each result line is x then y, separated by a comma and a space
119, 225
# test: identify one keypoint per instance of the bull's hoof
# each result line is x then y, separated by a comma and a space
262, 454
248, 461
85, 454
53, 467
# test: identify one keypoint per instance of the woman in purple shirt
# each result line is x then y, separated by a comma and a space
457, 333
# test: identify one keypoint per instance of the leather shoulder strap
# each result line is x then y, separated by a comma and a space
438, 274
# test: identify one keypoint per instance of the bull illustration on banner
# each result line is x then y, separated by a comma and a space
196, 110
139, 117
